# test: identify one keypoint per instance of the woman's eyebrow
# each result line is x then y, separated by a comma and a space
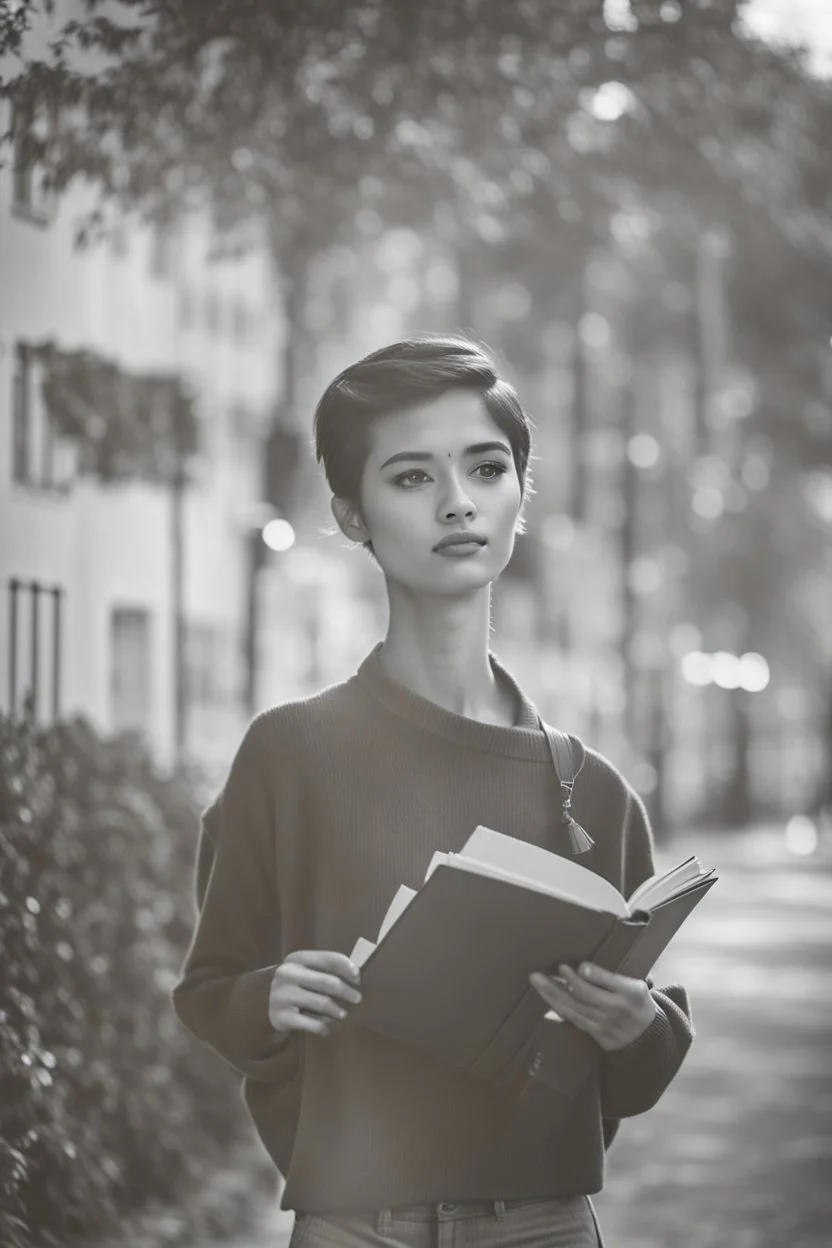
424, 456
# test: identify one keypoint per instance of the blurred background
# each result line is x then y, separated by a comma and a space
205, 213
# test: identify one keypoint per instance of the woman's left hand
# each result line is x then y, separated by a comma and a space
614, 1009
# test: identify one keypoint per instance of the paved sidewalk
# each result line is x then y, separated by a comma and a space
739, 1150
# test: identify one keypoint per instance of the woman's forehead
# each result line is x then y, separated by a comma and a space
446, 425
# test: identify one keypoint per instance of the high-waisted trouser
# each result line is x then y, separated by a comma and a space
559, 1222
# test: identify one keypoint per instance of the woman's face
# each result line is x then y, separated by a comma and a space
440, 470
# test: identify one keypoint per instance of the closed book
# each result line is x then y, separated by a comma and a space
449, 974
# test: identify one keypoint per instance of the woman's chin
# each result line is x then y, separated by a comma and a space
448, 580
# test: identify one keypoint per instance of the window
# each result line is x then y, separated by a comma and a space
207, 663
32, 198
162, 240
130, 669
41, 456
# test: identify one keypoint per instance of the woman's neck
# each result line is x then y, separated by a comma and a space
438, 648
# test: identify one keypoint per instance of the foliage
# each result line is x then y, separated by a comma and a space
126, 425
488, 123
105, 1101
16, 20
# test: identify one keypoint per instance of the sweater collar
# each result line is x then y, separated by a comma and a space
524, 739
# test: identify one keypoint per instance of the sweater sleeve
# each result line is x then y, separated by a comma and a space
222, 994
633, 1079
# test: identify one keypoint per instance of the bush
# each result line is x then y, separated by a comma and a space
105, 1101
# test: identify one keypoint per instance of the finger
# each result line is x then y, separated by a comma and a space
590, 993
327, 960
564, 1002
316, 1003
556, 994
549, 987
306, 1022
571, 1013
289, 1018
590, 973
320, 981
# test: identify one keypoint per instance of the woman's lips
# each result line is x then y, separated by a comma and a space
460, 550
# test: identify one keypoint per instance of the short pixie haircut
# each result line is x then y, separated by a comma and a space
407, 373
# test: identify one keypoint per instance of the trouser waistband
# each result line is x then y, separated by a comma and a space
448, 1211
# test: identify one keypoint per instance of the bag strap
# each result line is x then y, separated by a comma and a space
563, 761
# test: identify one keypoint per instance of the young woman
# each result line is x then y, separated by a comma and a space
334, 801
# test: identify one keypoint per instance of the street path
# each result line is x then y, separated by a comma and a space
739, 1150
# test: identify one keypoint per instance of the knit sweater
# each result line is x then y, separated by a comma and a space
331, 802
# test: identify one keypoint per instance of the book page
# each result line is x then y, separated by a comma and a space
397, 907
664, 885
474, 867
505, 857
361, 951
401, 900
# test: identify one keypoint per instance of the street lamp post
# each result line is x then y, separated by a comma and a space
264, 531
177, 572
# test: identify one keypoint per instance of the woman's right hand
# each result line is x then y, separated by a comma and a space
310, 989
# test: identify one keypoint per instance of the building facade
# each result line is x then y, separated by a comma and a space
91, 571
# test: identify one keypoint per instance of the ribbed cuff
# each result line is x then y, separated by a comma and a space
634, 1078
655, 1041
265, 1054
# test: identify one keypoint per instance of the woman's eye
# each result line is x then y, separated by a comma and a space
491, 470
413, 476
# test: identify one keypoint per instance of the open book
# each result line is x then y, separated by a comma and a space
529, 866
449, 971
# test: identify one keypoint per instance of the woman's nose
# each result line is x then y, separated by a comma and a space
455, 502
465, 511
457, 506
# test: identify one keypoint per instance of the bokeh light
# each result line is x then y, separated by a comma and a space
644, 778
279, 535
707, 503
801, 835
698, 668
754, 672
726, 669
611, 100
643, 451
594, 330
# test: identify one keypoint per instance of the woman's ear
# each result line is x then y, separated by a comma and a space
349, 520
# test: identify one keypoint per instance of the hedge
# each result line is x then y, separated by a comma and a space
106, 1102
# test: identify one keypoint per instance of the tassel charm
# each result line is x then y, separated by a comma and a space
580, 841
